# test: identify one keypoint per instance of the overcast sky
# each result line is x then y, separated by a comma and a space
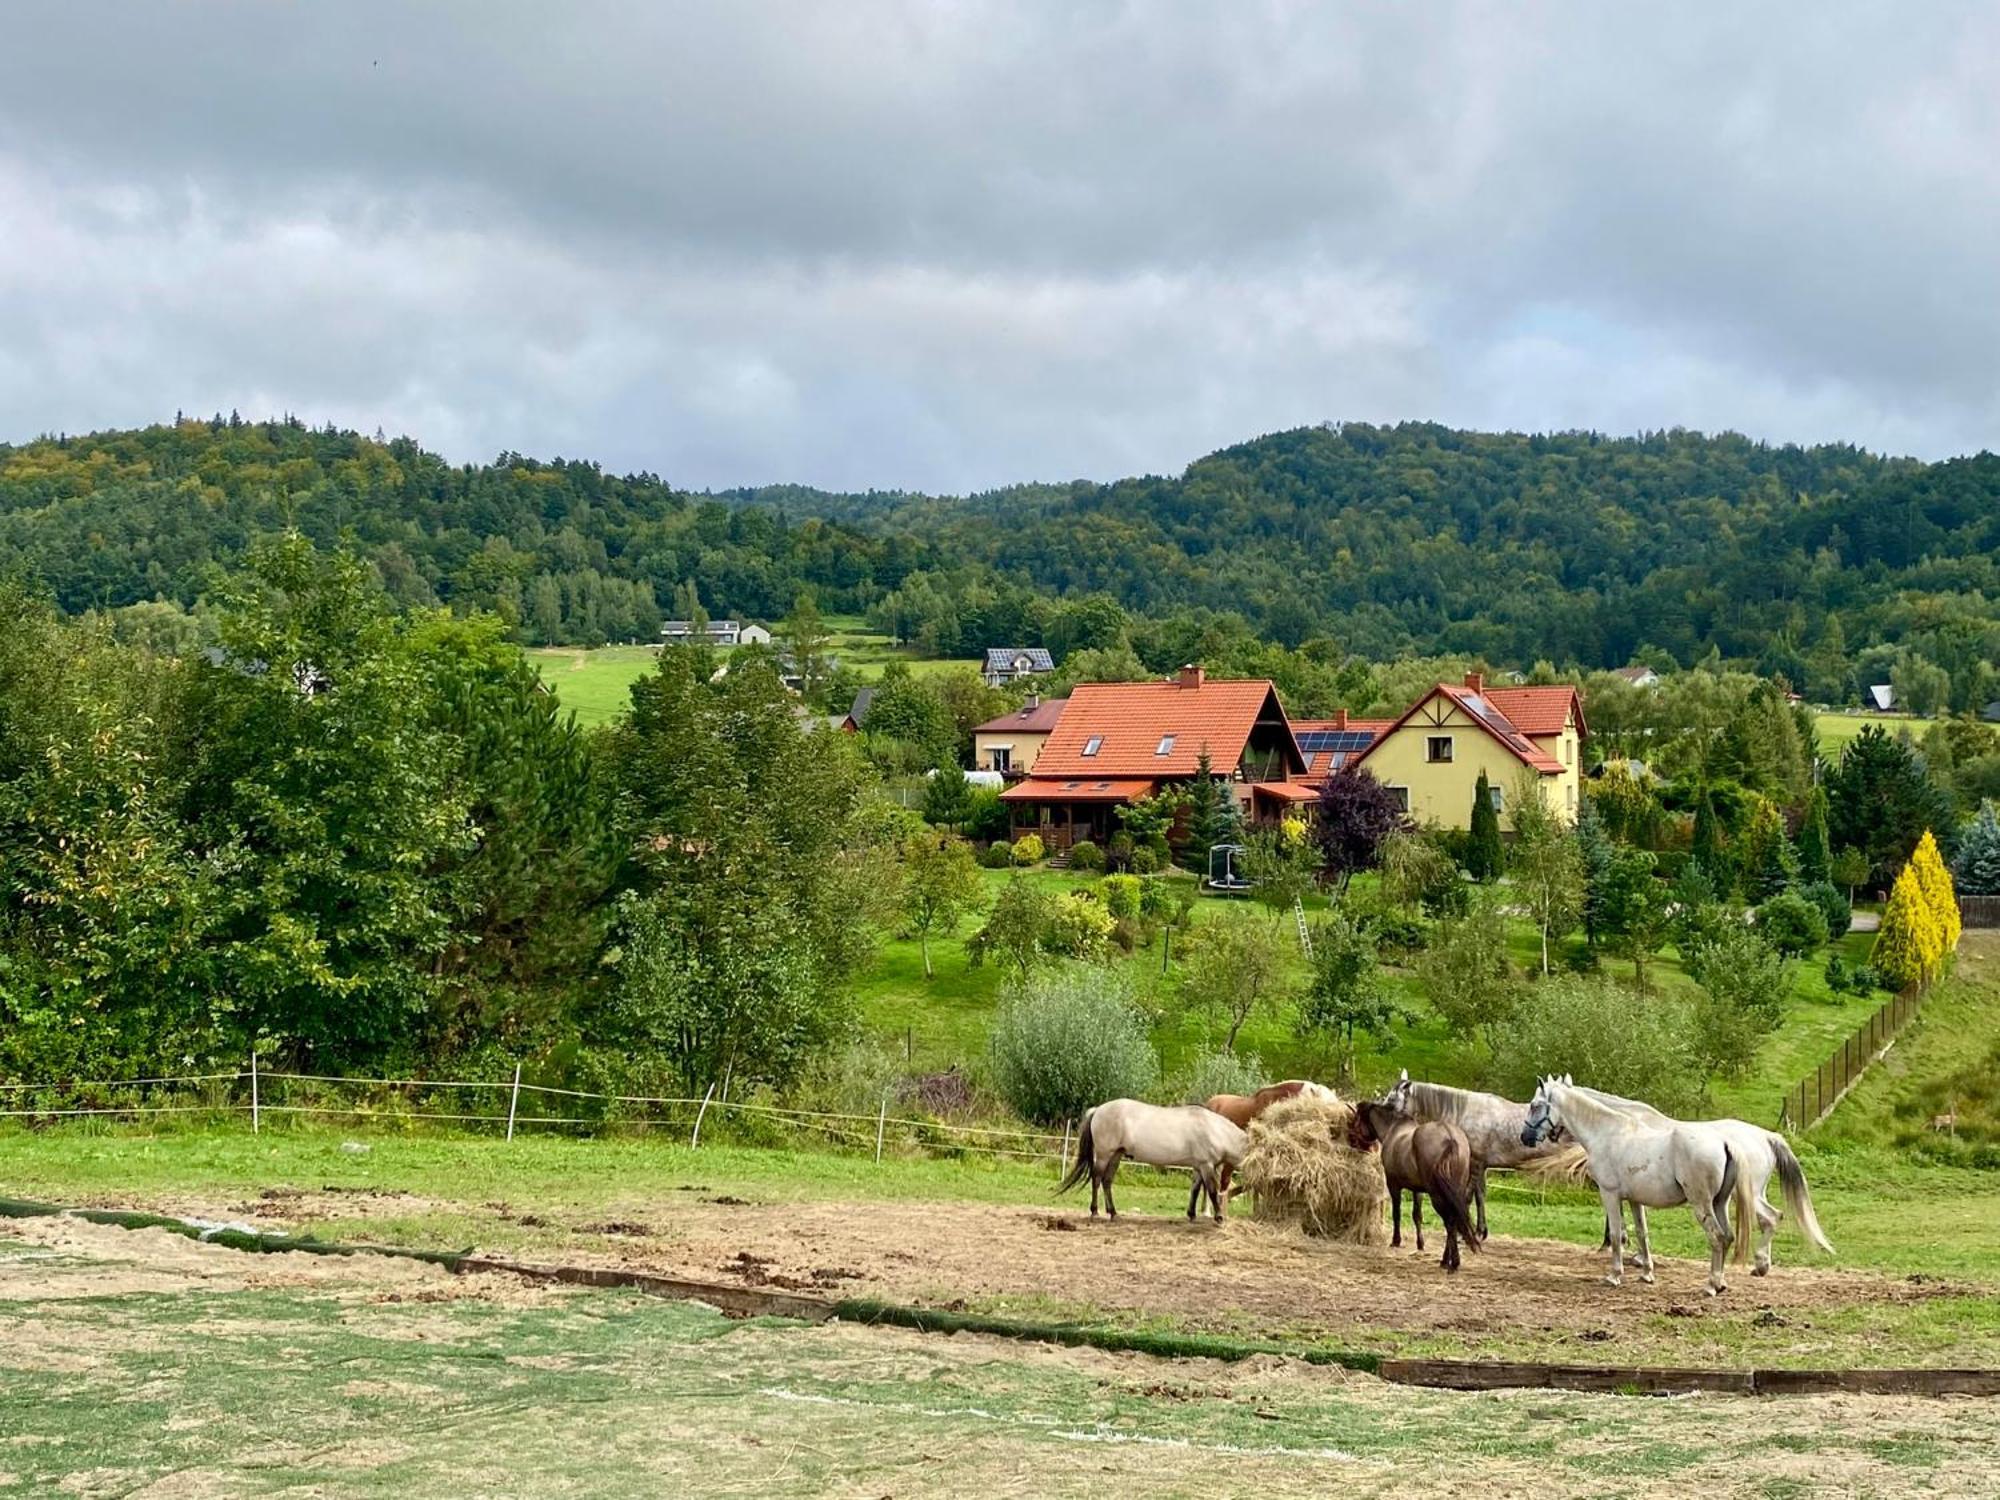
954, 245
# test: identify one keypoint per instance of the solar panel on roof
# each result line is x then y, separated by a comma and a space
1316, 741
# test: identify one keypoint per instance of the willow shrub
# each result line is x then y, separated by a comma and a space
1604, 1035
1068, 1038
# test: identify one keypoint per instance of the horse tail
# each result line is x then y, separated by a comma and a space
1732, 1176
1449, 1193
1798, 1197
1746, 1217
1086, 1153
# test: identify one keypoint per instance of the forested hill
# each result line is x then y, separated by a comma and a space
1572, 547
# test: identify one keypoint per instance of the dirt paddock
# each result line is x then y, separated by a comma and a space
1518, 1296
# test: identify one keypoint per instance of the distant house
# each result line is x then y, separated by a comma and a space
715, 632
1006, 663
1432, 756
753, 635
1639, 677
1011, 743
1882, 696
856, 718
1991, 713
1116, 743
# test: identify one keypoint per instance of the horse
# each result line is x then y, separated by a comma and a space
1646, 1163
1760, 1154
1423, 1156
1241, 1109
1187, 1135
1492, 1127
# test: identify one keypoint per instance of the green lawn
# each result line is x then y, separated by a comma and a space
356, 1387
1836, 729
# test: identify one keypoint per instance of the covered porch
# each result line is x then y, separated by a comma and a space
1064, 813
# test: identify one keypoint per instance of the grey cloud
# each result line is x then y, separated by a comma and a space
953, 246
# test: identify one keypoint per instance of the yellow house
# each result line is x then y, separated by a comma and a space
1433, 754
1010, 743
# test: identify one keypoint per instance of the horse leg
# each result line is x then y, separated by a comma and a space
1216, 1196
1645, 1255
1716, 1228
1450, 1261
1417, 1215
1479, 1196
1614, 1223
1767, 1223
1195, 1191
1111, 1171
1396, 1216
1096, 1177
1223, 1180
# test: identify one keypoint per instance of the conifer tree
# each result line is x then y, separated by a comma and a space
1935, 882
1482, 848
1706, 849
1814, 848
1976, 872
1909, 947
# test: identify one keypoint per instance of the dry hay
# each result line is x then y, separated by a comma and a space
1305, 1174
1569, 1166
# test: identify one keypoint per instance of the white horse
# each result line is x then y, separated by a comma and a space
1188, 1135
1652, 1164
1759, 1154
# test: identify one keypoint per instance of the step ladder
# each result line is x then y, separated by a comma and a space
1305, 934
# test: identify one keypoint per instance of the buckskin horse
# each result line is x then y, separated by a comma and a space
1188, 1135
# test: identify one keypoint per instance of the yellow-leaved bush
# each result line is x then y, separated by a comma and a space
1920, 925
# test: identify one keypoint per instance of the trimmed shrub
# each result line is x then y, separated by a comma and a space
1832, 904
1028, 850
997, 855
1642, 1046
1079, 928
987, 817
1086, 856
1791, 924
1066, 1040
1145, 861
1123, 895
1119, 850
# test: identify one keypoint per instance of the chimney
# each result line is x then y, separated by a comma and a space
1476, 681
1340, 719
1191, 676
1034, 702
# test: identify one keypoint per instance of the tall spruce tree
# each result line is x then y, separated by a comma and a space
1977, 869
1211, 815
1706, 849
1483, 854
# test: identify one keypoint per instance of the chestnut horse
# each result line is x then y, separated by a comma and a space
1241, 1109
1423, 1156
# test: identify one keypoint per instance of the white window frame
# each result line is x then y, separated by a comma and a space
1166, 745
1431, 743
1092, 745
1402, 796
1498, 796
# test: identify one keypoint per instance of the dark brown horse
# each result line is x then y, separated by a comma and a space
1422, 1156
1240, 1109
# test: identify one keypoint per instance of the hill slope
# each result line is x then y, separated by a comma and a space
1569, 546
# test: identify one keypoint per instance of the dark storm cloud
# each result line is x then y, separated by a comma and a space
952, 245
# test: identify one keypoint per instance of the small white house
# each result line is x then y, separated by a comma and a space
1882, 696
753, 635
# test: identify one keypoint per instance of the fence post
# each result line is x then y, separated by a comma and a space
881, 1119
695, 1139
256, 1106
513, 1101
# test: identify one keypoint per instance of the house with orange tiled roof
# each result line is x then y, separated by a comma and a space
1118, 742
1434, 753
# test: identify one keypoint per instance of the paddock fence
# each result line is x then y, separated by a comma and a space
511, 1107
1812, 1098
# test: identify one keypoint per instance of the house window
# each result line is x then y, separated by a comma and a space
1093, 744
1402, 796
1499, 796
1437, 749
1569, 751
1003, 758
1166, 745
1572, 799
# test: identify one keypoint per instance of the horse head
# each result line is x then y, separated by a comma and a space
1361, 1134
1398, 1098
1544, 1115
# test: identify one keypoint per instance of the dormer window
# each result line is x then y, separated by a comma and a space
1092, 745
1166, 745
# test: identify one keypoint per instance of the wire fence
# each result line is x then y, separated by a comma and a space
516, 1106
1812, 1098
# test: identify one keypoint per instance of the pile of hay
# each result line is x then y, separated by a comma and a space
1305, 1174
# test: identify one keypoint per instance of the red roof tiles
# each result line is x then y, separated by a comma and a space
1157, 730
1537, 710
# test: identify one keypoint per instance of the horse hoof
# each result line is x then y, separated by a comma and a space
1614, 1281
1761, 1270
1647, 1277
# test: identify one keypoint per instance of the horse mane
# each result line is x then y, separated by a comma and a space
1442, 1101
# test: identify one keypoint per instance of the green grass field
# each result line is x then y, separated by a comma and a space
596, 684
1836, 729
359, 1384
